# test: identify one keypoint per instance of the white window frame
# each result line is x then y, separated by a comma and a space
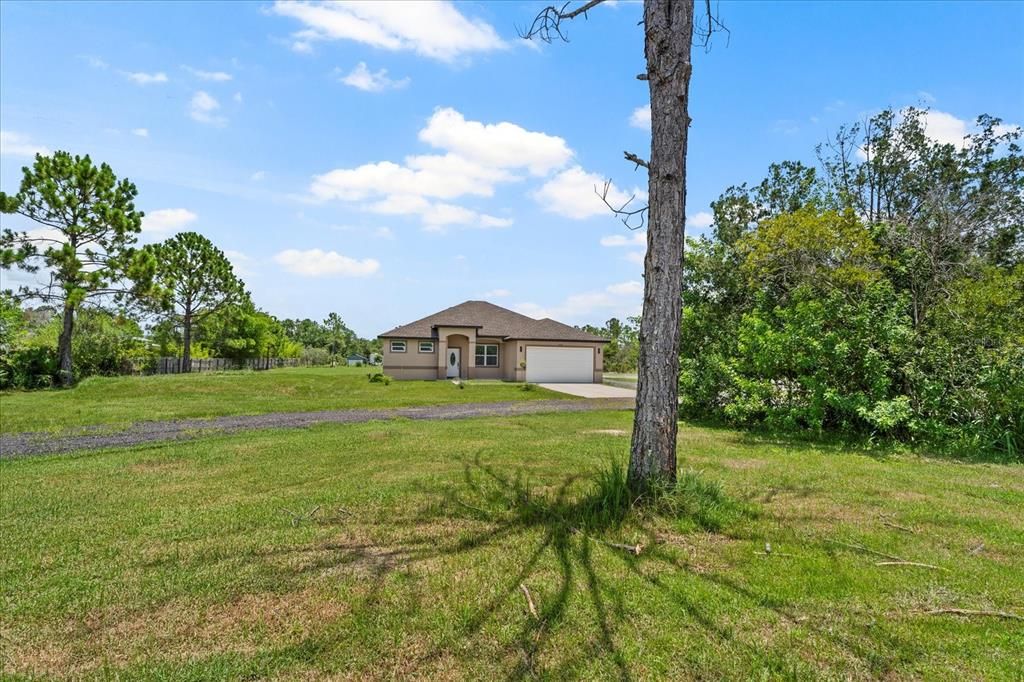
485, 355
398, 343
426, 343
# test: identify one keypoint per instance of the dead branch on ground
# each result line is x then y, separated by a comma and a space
529, 601
974, 612
910, 563
632, 549
299, 517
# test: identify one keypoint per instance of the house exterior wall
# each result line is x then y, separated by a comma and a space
488, 372
413, 365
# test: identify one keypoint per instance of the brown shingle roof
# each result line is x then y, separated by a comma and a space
491, 321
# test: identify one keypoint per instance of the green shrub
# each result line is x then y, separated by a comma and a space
378, 378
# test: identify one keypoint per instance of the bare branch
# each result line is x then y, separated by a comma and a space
547, 25
703, 32
633, 158
633, 218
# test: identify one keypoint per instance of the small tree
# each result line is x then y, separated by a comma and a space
195, 279
88, 226
341, 336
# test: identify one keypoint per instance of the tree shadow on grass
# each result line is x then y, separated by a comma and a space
574, 527
568, 521
573, 521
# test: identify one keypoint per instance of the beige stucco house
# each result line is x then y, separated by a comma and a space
479, 340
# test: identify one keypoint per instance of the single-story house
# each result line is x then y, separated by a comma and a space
480, 340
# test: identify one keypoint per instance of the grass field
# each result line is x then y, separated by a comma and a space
405, 544
119, 401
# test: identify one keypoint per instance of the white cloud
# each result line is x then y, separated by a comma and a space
498, 145
442, 177
16, 144
945, 128
572, 194
478, 158
624, 299
641, 117
700, 220
237, 97
636, 257
627, 289
140, 132
167, 220
319, 263
384, 233
437, 218
363, 79
203, 108
634, 239
214, 76
433, 29
489, 221
258, 175
142, 78
496, 293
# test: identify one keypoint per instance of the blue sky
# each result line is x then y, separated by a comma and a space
457, 162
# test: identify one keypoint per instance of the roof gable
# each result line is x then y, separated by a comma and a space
493, 321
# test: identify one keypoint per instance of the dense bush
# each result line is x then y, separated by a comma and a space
104, 343
826, 303
316, 356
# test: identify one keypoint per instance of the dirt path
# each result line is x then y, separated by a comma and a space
91, 438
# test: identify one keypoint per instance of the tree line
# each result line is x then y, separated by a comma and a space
878, 293
108, 304
620, 354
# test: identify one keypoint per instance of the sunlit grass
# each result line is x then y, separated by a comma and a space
120, 401
394, 549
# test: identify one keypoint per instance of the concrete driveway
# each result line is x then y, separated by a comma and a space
592, 390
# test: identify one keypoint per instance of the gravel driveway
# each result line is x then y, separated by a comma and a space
91, 438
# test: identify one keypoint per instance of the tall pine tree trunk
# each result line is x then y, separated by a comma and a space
186, 351
668, 28
67, 375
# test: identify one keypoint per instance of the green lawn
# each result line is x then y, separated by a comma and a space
405, 545
119, 401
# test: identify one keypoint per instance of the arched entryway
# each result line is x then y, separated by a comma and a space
457, 357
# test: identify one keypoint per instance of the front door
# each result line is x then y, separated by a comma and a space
454, 363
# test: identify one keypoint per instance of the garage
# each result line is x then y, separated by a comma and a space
559, 365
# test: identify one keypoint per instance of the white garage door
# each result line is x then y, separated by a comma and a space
559, 365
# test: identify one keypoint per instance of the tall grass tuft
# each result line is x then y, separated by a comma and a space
693, 498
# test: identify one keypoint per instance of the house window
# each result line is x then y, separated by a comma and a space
487, 355
398, 346
426, 346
